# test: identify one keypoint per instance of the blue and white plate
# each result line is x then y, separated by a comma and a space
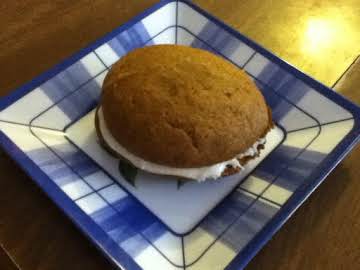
47, 126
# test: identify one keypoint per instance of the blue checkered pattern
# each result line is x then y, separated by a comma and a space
305, 115
66, 82
134, 38
221, 42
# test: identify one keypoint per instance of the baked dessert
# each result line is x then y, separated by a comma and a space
177, 110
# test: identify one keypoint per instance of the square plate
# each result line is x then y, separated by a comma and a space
47, 127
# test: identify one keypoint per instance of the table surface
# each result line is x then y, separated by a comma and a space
319, 37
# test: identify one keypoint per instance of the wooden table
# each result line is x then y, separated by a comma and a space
313, 35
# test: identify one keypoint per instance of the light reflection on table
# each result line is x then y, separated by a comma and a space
322, 38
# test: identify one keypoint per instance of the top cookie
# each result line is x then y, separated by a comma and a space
182, 107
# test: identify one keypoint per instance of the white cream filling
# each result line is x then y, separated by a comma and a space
199, 174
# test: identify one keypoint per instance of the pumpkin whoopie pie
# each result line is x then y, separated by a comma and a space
182, 111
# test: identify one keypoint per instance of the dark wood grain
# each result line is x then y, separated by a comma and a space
323, 234
5, 261
37, 34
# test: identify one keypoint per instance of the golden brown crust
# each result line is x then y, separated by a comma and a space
182, 107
